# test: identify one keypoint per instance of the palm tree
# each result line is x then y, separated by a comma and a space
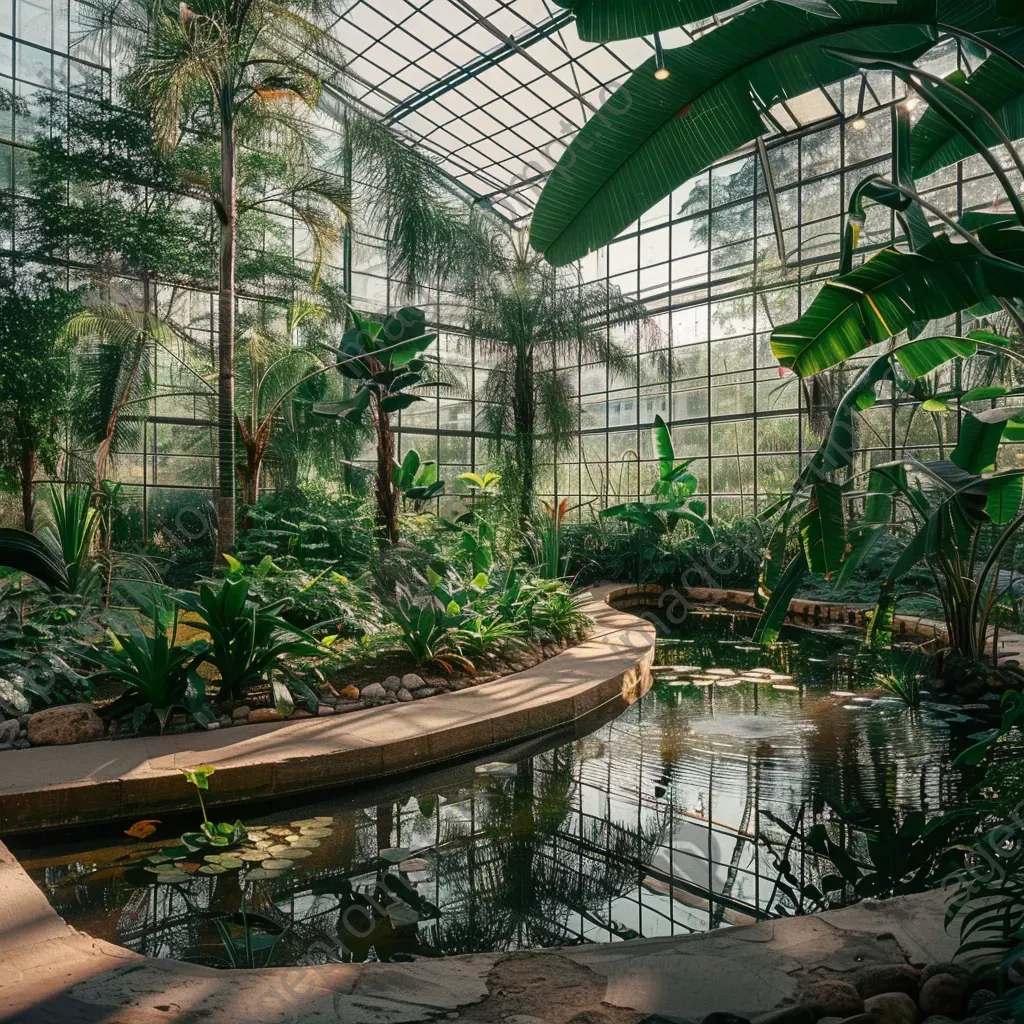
534, 322
244, 73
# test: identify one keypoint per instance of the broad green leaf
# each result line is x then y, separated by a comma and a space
665, 450
934, 405
774, 614
234, 565
878, 299
879, 626
998, 85
601, 21
395, 403
1004, 497
823, 529
983, 394
980, 434
651, 136
919, 358
199, 776
24, 552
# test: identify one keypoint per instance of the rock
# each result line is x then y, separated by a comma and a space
349, 692
74, 723
301, 713
6, 746
225, 721
833, 999
374, 692
241, 713
427, 691
879, 978
945, 968
413, 682
459, 684
392, 684
721, 1017
978, 1001
403, 694
324, 709
892, 1008
23, 721
21, 744
944, 994
801, 1014
210, 726
263, 715
9, 730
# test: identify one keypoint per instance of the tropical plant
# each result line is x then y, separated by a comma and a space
426, 628
72, 526
384, 361
34, 382
656, 132
673, 492
250, 646
416, 481
211, 834
158, 676
247, 71
551, 562
24, 552
532, 323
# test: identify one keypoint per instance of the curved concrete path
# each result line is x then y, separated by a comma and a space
110, 780
52, 974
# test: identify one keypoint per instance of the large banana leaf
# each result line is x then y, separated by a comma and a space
651, 135
998, 85
880, 298
27, 553
980, 436
601, 21
823, 529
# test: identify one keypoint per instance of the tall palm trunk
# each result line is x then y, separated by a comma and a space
524, 421
27, 472
387, 497
226, 328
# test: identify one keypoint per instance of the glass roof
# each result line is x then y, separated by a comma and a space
495, 89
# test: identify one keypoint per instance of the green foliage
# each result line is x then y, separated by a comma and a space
249, 644
73, 523
416, 481
211, 835
158, 676
35, 379
672, 490
24, 552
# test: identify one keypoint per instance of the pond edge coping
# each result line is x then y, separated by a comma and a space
115, 780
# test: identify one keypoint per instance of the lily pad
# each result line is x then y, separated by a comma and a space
159, 858
785, 687
262, 874
299, 853
231, 863
279, 830
303, 843
281, 850
212, 869
318, 833
252, 855
168, 877
277, 864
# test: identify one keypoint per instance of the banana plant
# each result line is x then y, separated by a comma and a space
673, 492
384, 363
938, 509
416, 481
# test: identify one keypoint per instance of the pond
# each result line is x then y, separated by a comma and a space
662, 821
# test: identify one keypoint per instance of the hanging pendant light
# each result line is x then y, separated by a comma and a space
660, 71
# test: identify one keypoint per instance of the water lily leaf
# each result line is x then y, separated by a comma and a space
212, 869
262, 874
299, 853
277, 864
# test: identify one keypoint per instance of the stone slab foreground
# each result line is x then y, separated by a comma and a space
110, 780
52, 974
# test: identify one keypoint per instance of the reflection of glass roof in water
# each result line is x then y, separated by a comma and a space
494, 89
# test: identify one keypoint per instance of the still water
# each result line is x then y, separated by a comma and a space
661, 821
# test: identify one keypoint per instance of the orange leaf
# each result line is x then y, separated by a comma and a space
142, 829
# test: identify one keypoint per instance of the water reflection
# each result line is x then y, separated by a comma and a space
658, 823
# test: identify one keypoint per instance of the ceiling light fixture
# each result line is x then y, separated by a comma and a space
660, 71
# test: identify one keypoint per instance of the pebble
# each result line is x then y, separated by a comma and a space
403, 694
9, 731
210, 726
241, 713
833, 999
355, 705
301, 713
374, 692
263, 715
944, 994
879, 978
225, 721
413, 682
349, 692
324, 709
21, 744
392, 684
892, 1008
427, 691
